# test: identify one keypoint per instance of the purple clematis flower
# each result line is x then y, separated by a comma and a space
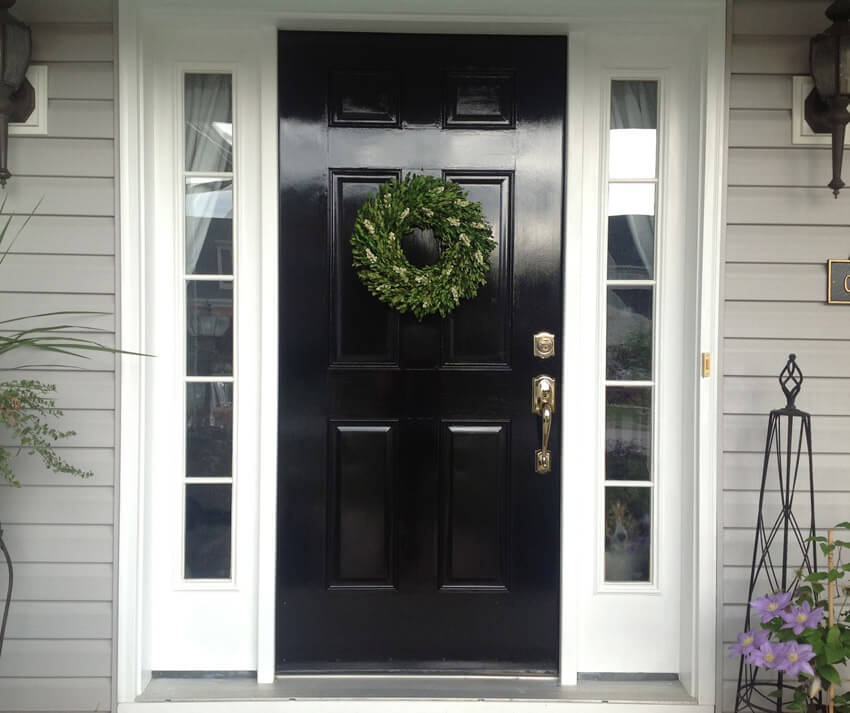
770, 606
803, 617
797, 657
748, 642
768, 655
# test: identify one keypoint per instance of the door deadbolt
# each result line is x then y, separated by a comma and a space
544, 345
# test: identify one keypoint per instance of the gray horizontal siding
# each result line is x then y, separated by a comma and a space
60, 529
783, 225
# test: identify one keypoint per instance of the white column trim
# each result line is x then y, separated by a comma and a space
131, 670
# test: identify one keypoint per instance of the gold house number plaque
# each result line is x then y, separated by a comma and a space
838, 282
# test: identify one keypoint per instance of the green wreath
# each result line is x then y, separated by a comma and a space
422, 202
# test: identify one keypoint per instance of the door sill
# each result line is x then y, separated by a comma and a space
422, 694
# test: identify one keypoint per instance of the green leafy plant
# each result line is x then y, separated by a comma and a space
24, 407
795, 637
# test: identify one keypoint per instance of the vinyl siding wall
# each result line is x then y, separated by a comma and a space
58, 653
783, 226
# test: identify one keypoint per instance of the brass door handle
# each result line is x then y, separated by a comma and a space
543, 404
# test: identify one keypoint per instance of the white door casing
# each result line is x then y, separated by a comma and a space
164, 624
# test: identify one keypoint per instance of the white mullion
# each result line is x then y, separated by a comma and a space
633, 180
209, 278
628, 483
630, 283
209, 379
626, 384
212, 175
209, 480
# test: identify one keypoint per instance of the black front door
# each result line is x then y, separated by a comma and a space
414, 533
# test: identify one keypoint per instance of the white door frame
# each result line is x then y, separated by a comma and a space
581, 20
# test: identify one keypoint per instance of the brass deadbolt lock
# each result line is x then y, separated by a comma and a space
544, 345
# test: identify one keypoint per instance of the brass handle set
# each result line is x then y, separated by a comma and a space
543, 400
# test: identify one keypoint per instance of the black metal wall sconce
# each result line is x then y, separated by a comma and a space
826, 106
17, 96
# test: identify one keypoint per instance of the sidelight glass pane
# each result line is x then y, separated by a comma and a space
209, 328
628, 527
208, 111
629, 337
631, 199
209, 226
632, 147
628, 433
208, 518
209, 430
631, 247
634, 104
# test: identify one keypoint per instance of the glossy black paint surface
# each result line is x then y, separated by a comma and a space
414, 533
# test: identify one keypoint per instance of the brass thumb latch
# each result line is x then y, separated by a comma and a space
543, 404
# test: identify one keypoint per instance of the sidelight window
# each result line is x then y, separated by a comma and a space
209, 278
631, 280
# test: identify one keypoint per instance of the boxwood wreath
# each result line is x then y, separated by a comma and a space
458, 224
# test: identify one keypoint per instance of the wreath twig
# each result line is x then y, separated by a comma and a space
458, 224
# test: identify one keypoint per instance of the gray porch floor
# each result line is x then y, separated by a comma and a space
414, 687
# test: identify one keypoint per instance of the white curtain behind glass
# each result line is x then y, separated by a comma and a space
208, 145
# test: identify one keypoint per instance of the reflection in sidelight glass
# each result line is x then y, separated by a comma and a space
209, 430
208, 111
209, 276
633, 140
209, 329
209, 226
628, 527
631, 247
629, 334
207, 544
628, 433
631, 279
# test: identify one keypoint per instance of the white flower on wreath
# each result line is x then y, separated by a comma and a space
464, 238
421, 279
461, 202
479, 258
405, 213
453, 221
455, 294
399, 270
391, 236
448, 271
371, 256
388, 197
369, 226
439, 189
480, 226
428, 212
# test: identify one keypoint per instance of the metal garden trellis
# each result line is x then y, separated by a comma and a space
778, 532
5, 614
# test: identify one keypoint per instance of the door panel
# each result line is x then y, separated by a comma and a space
414, 534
